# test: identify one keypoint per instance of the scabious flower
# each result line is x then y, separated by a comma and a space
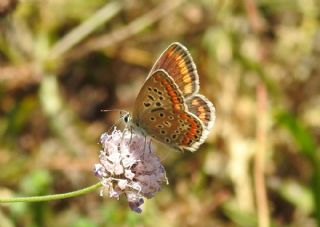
128, 165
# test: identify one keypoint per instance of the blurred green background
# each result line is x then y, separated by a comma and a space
61, 62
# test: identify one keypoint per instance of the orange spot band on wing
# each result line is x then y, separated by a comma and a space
201, 112
192, 131
173, 95
187, 79
195, 102
178, 57
170, 53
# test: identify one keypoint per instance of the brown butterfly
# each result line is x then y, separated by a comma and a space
168, 107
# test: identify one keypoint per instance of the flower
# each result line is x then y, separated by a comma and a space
128, 165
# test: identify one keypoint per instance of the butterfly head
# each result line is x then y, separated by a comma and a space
126, 117
131, 123
128, 120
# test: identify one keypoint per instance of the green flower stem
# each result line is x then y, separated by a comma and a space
51, 197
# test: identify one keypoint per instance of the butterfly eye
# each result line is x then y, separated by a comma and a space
126, 118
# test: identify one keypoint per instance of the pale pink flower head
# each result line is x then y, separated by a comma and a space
128, 165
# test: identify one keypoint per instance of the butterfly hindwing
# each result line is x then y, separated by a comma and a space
181, 130
203, 109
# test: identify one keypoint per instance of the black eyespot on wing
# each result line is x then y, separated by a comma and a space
157, 109
146, 104
151, 97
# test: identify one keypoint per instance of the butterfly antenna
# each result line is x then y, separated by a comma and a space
115, 110
122, 114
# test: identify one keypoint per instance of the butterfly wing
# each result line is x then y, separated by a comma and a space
203, 109
160, 112
177, 62
159, 92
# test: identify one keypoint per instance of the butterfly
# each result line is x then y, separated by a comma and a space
168, 107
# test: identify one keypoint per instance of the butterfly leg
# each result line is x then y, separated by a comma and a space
130, 136
150, 146
145, 142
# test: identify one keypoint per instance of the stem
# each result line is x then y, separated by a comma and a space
259, 167
51, 197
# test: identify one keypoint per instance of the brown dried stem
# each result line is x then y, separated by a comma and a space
259, 167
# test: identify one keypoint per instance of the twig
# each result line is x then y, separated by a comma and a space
259, 168
131, 29
254, 16
84, 29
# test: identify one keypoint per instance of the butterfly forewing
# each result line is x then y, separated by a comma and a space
178, 63
161, 104
159, 92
